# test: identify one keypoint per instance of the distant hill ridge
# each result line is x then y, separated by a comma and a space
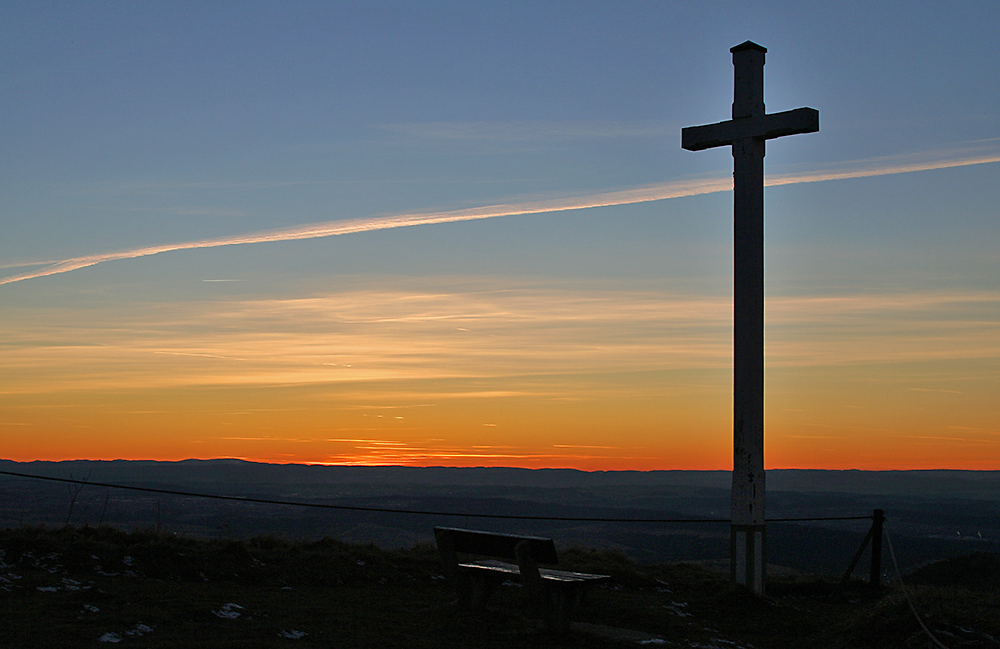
982, 485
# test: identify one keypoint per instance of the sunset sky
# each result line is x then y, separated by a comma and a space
465, 234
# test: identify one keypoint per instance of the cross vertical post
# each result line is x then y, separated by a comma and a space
748, 491
746, 133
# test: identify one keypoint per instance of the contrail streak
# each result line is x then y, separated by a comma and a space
880, 167
658, 192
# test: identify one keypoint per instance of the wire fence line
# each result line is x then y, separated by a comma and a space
419, 512
906, 594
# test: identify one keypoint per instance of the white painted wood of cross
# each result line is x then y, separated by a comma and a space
746, 132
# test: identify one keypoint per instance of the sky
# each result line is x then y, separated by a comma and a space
465, 234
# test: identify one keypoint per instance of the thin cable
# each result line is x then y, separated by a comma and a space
821, 518
358, 508
906, 594
389, 510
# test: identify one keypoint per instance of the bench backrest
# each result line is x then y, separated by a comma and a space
495, 545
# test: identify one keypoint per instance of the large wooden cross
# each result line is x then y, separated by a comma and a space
746, 133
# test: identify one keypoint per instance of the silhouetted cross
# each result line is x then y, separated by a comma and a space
746, 133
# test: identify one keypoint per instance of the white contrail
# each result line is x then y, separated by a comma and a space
662, 191
349, 226
883, 167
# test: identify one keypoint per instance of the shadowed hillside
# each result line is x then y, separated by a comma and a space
932, 515
73, 587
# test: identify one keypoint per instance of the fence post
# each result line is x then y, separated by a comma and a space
875, 575
874, 537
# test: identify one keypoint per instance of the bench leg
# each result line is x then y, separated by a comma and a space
475, 590
562, 604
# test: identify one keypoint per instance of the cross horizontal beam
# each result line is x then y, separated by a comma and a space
760, 127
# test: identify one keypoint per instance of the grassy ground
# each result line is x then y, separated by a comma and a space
87, 587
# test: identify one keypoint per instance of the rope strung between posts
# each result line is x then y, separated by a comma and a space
906, 594
389, 510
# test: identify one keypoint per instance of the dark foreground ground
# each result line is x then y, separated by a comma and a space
95, 587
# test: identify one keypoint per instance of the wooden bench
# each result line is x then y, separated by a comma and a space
556, 593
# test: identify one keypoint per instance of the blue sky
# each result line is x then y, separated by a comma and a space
132, 126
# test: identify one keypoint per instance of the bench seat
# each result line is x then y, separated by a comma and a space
545, 573
556, 593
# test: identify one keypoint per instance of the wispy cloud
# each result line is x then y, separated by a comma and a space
193, 210
883, 328
519, 131
232, 358
547, 341
979, 153
582, 446
158, 187
26, 264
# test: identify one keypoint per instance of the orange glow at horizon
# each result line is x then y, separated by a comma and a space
533, 376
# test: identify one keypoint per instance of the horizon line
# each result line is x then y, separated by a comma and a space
523, 468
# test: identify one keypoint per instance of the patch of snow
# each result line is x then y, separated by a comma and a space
138, 630
722, 643
229, 611
6, 583
41, 563
293, 634
110, 637
677, 609
90, 608
47, 589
